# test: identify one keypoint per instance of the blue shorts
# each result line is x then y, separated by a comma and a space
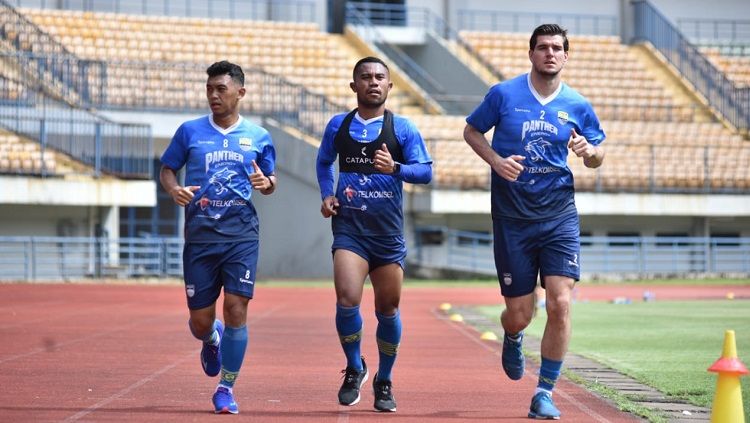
209, 266
377, 251
526, 250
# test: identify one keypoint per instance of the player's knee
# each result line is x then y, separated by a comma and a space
517, 320
558, 308
201, 326
387, 309
235, 312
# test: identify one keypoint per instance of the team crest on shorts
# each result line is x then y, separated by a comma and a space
562, 117
190, 290
507, 279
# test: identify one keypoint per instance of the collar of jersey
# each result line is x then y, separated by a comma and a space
222, 130
368, 121
542, 100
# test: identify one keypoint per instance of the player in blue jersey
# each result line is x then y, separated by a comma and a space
537, 119
225, 157
377, 151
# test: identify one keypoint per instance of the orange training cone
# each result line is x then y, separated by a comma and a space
727, 406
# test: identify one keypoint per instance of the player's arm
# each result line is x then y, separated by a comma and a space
266, 185
325, 172
507, 167
414, 173
418, 166
593, 155
181, 195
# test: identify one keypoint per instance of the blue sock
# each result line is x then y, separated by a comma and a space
349, 327
210, 338
389, 337
548, 374
233, 346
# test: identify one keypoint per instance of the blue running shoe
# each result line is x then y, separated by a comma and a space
224, 402
211, 355
542, 407
513, 359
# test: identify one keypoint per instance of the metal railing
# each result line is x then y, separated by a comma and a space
39, 56
637, 256
667, 168
731, 102
266, 10
716, 31
419, 17
63, 258
183, 91
120, 149
505, 21
364, 16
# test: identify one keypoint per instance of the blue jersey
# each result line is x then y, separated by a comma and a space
370, 204
219, 161
538, 129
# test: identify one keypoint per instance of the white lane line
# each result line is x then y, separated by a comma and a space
152, 376
460, 327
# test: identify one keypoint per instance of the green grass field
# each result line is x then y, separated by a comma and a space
665, 344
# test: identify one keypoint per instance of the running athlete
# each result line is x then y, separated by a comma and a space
225, 157
537, 118
377, 151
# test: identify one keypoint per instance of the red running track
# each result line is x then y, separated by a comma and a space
100, 353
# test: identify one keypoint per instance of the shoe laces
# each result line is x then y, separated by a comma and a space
383, 388
350, 375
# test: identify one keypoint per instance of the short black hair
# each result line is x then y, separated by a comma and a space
549, 29
227, 68
368, 59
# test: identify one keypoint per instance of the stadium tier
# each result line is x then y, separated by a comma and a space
300, 52
19, 156
603, 69
736, 67
656, 139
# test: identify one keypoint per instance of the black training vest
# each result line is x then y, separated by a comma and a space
359, 157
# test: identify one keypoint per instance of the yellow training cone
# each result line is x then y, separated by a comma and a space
455, 317
445, 306
488, 336
727, 405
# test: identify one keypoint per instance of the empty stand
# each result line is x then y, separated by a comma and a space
736, 67
600, 67
20, 156
654, 140
300, 52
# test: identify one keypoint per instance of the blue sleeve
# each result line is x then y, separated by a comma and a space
592, 128
487, 114
417, 173
267, 162
175, 156
417, 168
324, 164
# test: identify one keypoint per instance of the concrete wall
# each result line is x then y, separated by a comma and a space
43, 220
295, 238
463, 90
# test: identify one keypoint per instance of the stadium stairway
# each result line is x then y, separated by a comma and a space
673, 82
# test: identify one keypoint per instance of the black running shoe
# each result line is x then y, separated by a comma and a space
353, 381
384, 400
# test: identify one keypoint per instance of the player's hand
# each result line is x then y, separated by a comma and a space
183, 195
509, 168
580, 146
329, 206
383, 160
258, 179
